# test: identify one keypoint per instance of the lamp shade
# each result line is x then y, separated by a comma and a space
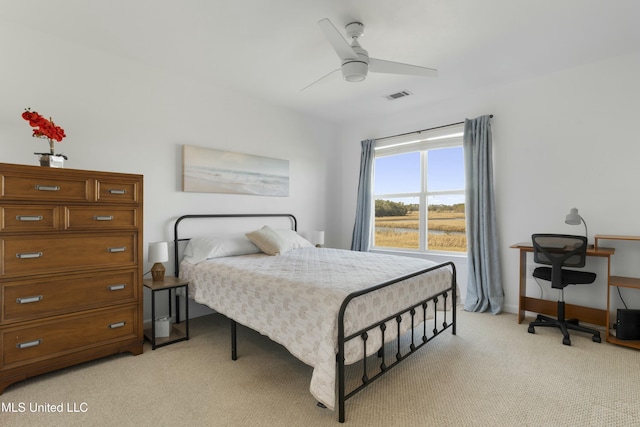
158, 252
318, 237
573, 218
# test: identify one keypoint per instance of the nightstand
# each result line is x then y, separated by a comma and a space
178, 331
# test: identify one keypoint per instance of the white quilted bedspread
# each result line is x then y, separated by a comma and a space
294, 299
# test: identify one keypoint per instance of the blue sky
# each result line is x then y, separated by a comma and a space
401, 173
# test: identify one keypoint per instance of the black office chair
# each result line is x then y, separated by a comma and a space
558, 251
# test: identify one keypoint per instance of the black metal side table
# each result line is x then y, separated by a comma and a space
178, 331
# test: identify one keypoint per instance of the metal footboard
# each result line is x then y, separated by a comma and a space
400, 352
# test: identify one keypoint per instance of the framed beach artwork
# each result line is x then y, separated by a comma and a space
207, 170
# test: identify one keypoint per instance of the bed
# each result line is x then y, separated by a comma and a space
330, 308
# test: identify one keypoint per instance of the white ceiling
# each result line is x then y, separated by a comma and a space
273, 48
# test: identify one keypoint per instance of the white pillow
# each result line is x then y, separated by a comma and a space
276, 242
216, 246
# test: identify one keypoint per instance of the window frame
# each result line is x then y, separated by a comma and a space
423, 143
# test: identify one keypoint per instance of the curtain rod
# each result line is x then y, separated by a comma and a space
423, 130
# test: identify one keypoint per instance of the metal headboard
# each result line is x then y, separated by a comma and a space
177, 239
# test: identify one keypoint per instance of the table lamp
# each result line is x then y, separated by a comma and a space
158, 253
573, 218
318, 238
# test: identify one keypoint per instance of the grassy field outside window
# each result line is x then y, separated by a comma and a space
446, 231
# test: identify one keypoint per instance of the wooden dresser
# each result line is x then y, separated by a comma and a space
71, 272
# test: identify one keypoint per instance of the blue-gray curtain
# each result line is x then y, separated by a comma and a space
362, 227
484, 286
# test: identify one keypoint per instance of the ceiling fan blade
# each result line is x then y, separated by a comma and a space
321, 78
382, 66
339, 44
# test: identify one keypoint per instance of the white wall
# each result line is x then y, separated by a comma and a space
122, 116
568, 139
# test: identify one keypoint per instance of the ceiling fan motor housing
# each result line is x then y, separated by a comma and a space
356, 69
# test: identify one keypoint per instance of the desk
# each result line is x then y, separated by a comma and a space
586, 314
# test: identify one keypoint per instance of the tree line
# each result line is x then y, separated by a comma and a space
389, 208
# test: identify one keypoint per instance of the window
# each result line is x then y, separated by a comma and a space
419, 192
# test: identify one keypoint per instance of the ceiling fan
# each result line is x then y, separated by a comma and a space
355, 61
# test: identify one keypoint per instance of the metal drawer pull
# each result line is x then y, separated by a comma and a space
117, 287
103, 217
28, 255
116, 191
28, 344
117, 325
27, 300
47, 187
29, 217
120, 249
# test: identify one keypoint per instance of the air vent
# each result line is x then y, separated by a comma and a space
398, 95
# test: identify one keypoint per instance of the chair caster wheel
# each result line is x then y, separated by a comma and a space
596, 338
566, 341
531, 330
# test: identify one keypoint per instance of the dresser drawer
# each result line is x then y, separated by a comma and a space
23, 345
118, 191
84, 218
28, 218
22, 255
44, 188
33, 299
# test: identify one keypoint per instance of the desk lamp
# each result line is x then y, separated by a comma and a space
573, 218
158, 253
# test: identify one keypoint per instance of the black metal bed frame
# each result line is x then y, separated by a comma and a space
368, 376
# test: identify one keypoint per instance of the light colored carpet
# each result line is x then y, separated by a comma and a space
492, 373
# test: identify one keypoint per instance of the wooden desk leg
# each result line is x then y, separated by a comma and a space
608, 317
523, 285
